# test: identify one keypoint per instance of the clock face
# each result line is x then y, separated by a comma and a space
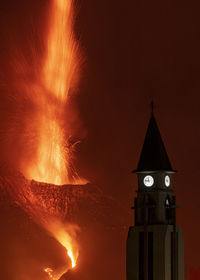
167, 181
148, 181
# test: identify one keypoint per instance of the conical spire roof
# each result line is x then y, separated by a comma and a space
153, 156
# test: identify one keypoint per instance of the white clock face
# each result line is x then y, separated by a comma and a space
167, 181
148, 181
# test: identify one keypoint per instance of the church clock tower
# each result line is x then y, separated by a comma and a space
155, 249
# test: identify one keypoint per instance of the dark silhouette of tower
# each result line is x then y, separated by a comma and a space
155, 249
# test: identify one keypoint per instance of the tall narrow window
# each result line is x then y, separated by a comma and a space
150, 256
151, 212
168, 211
142, 256
174, 255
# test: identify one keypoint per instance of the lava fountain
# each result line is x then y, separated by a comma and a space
51, 163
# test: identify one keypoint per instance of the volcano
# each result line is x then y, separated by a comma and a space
28, 247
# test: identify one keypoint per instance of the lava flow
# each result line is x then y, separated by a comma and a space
66, 236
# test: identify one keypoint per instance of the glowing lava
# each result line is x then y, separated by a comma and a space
70, 254
45, 152
51, 162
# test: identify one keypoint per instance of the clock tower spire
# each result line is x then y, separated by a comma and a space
153, 156
155, 244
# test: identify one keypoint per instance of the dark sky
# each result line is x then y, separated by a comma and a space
135, 51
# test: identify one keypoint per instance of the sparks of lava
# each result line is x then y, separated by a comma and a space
49, 271
51, 162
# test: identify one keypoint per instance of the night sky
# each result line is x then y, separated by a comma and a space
133, 52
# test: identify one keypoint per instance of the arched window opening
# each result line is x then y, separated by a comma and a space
168, 210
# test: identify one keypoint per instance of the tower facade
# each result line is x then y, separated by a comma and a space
155, 248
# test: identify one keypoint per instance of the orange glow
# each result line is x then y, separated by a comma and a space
51, 163
49, 271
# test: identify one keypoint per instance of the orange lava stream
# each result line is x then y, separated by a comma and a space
52, 161
65, 236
